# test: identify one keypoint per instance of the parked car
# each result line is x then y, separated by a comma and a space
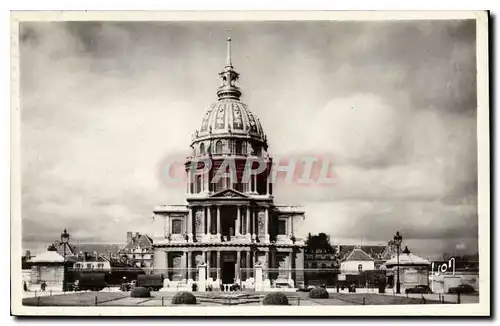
90, 281
462, 288
419, 289
153, 282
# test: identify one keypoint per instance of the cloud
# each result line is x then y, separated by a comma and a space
392, 104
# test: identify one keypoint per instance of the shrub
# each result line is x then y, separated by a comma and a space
319, 293
140, 292
184, 298
275, 299
194, 287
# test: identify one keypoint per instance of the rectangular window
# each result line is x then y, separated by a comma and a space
282, 227
176, 227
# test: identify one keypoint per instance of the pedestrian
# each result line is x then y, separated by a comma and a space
43, 286
25, 286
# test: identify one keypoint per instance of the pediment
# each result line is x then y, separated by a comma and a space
229, 193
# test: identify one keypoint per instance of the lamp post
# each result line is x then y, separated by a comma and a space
397, 241
64, 241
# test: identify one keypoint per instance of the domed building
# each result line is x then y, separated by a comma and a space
229, 223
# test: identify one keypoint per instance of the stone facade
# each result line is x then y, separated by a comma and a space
230, 223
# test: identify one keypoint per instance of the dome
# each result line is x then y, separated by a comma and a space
235, 129
230, 116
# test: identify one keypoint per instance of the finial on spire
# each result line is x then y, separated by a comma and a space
228, 59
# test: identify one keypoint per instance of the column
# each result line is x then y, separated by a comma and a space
238, 221
183, 265
289, 226
247, 265
166, 275
209, 220
238, 267
248, 221
290, 259
189, 265
209, 258
205, 186
218, 222
189, 225
167, 225
252, 224
268, 265
267, 178
218, 265
202, 234
266, 224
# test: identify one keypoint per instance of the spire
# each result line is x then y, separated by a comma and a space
228, 77
228, 58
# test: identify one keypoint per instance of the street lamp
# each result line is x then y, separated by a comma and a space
397, 241
64, 242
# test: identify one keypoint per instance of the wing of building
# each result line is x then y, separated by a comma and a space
230, 221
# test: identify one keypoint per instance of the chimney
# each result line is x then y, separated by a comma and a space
137, 234
129, 237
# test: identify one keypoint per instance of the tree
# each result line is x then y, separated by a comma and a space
320, 241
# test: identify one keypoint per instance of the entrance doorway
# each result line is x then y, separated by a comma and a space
228, 272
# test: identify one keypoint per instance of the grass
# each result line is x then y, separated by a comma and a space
75, 299
216, 298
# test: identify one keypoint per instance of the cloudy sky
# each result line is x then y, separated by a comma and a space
393, 103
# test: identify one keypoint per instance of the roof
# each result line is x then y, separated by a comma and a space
358, 255
141, 241
48, 257
374, 251
407, 259
171, 209
100, 248
90, 259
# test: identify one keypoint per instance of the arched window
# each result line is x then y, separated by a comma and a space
198, 183
239, 147
218, 147
219, 185
202, 148
360, 268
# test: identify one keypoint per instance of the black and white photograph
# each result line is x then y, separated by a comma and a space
226, 163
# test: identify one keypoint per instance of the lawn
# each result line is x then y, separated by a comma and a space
217, 298
75, 299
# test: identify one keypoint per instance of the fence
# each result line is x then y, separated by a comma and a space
230, 277
211, 299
